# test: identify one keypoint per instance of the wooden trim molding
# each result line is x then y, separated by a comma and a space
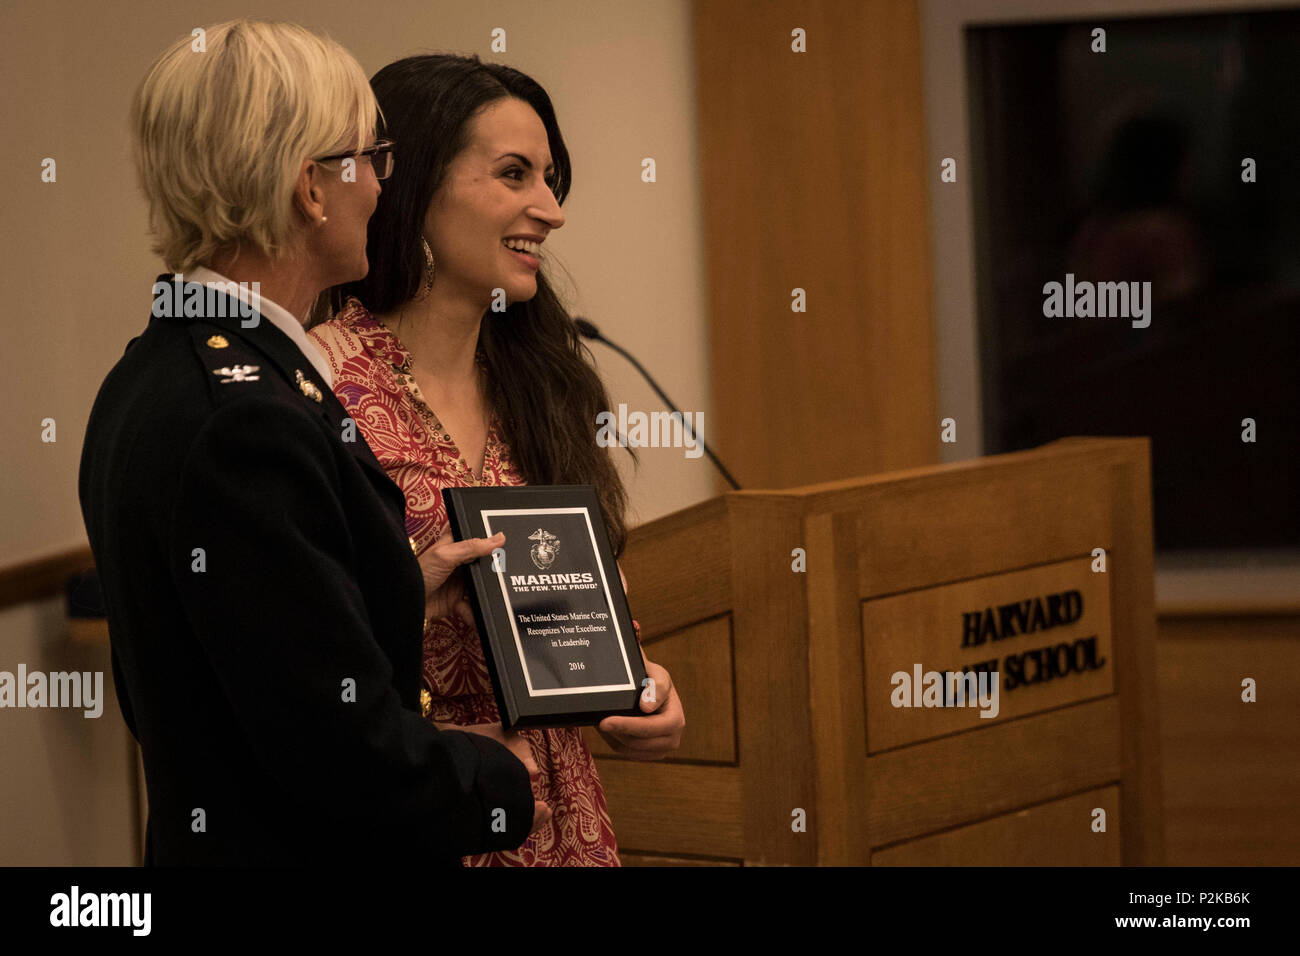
41, 578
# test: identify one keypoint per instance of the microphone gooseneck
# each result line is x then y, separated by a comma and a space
588, 330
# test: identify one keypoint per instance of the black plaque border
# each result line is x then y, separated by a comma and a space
516, 706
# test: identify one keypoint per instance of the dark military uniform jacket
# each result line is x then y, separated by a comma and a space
265, 612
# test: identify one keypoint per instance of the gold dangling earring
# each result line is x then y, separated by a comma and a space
428, 270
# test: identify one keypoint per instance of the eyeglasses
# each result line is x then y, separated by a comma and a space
380, 156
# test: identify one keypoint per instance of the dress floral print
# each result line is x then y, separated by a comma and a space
373, 380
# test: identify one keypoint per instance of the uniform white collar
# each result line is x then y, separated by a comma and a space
275, 314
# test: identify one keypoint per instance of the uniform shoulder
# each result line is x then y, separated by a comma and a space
232, 367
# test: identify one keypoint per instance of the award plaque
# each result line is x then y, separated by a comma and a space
557, 633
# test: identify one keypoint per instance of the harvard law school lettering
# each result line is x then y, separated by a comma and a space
1021, 617
1041, 635
1031, 616
1043, 664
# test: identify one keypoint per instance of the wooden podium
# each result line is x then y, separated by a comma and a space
811, 631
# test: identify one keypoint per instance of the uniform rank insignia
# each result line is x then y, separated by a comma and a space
237, 373
307, 386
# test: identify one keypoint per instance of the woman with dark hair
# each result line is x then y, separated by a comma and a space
461, 366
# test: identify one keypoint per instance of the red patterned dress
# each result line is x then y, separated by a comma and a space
373, 380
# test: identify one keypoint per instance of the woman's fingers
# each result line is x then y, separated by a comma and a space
657, 690
648, 734
651, 736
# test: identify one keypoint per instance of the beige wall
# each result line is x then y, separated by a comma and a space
66, 795
75, 266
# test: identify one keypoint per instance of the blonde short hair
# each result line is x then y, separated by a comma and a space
220, 135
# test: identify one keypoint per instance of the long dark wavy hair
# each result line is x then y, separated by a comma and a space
546, 392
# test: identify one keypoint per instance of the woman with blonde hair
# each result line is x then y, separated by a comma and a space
461, 367
263, 602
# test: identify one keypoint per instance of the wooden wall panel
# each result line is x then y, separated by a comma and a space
835, 672
668, 809
1056, 833
701, 663
649, 859
1132, 576
1015, 512
975, 774
670, 588
772, 679
814, 171
1230, 770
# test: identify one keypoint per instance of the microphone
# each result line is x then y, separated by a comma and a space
589, 331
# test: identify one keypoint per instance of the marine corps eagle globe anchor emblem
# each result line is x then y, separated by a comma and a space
543, 552
306, 385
